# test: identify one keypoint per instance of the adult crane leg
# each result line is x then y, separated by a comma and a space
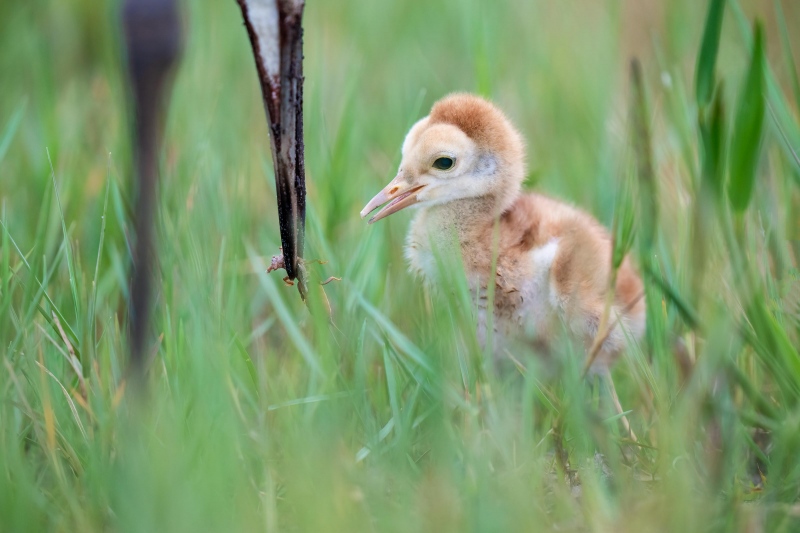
275, 29
152, 32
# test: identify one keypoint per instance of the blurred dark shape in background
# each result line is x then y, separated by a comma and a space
153, 42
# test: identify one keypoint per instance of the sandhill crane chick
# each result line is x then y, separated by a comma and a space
462, 168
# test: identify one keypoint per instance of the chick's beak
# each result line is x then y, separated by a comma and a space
399, 193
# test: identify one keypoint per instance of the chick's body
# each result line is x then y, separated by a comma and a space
552, 270
553, 261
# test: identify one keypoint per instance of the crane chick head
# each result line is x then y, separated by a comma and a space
466, 148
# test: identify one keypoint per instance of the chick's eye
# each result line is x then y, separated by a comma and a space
444, 163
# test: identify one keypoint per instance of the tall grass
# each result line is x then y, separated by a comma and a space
261, 415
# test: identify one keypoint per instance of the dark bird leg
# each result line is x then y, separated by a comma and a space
276, 36
153, 41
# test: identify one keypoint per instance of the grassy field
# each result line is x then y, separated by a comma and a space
262, 416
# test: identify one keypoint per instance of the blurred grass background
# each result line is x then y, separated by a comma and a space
264, 417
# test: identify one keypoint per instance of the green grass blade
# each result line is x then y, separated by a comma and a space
93, 298
782, 115
284, 315
41, 292
773, 346
712, 142
642, 143
11, 129
748, 127
707, 59
624, 225
793, 154
685, 309
787, 52
6, 273
73, 280
395, 335
393, 390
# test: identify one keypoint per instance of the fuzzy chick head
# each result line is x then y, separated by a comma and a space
465, 148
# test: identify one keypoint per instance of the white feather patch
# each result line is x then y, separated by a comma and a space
544, 256
539, 302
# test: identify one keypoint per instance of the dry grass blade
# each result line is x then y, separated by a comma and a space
67, 396
73, 360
